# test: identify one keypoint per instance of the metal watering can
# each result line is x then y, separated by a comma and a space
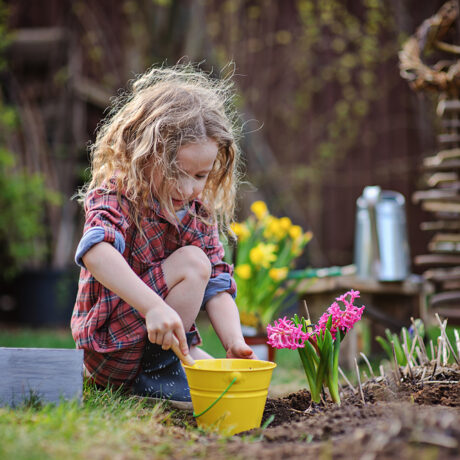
381, 245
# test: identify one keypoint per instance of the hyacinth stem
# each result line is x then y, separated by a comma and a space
333, 374
310, 372
325, 359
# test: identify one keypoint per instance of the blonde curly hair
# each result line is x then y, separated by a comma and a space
167, 108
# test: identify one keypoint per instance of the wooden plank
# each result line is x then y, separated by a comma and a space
442, 156
454, 185
450, 123
436, 194
442, 274
440, 178
446, 237
437, 259
448, 138
444, 247
39, 44
451, 285
440, 225
448, 165
452, 216
33, 36
445, 242
445, 106
47, 373
448, 297
441, 206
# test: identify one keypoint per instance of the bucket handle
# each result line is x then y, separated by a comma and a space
217, 400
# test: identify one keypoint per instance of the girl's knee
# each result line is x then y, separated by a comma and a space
195, 262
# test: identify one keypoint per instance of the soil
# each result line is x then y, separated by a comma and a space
408, 420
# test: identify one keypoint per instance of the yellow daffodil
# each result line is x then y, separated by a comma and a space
261, 239
243, 271
278, 274
241, 231
295, 232
263, 255
271, 227
260, 210
285, 223
274, 229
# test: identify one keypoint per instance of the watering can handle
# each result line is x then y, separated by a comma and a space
186, 359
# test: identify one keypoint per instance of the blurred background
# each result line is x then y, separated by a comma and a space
324, 108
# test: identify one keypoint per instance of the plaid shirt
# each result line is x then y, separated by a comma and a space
111, 332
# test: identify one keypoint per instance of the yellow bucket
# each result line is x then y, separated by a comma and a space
229, 394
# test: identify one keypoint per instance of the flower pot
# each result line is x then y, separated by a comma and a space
258, 342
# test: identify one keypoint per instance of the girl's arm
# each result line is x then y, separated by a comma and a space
110, 268
225, 319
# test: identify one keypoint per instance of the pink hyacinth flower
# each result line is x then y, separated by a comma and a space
285, 334
341, 319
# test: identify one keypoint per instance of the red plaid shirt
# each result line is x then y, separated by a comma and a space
111, 332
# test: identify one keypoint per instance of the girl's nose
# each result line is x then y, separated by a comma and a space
187, 188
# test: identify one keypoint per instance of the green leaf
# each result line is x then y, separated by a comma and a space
400, 356
333, 374
324, 360
386, 347
310, 372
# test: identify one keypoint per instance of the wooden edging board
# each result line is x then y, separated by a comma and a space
49, 374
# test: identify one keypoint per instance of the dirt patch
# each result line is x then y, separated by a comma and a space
439, 394
406, 421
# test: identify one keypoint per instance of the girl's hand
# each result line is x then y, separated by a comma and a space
240, 349
162, 324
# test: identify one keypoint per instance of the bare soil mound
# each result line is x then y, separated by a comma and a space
411, 420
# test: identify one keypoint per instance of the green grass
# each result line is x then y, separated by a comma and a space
106, 425
36, 338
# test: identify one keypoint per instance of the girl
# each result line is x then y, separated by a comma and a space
164, 175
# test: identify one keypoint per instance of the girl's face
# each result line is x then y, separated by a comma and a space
195, 163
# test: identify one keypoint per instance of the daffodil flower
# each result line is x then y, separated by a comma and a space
295, 232
263, 255
260, 210
241, 231
285, 223
265, 248
243, 271
278, 274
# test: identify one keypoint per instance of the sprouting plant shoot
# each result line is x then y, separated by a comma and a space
405, 340
319, 345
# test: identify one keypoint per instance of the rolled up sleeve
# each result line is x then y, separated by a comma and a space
107, 219
221, 279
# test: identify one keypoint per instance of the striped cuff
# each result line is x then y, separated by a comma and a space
221, 283
95, 235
